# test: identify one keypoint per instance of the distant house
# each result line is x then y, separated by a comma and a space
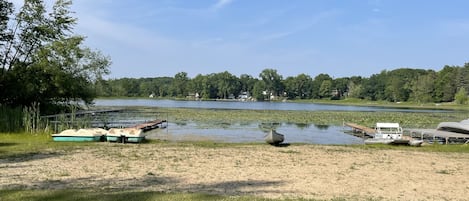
195, 96
245, 95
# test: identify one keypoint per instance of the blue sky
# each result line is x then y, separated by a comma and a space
152, 38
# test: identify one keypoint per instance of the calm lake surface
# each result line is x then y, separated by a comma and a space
294, 133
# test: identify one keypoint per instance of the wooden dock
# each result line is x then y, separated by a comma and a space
364, 130
82, 113
150, 125
434, 135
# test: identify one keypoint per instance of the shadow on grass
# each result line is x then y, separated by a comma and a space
150, 186
76, 195
24, 157
7, 144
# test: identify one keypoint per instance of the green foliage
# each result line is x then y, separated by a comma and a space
325, 89
11, 119
180, 84
299, 86
400, 85
42, 61
461, 96
272, 81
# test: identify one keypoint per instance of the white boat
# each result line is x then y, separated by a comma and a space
457, 127
125, 135
274, 138
391, 133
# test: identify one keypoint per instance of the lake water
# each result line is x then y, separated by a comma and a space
247, 105
252, 133
193, 131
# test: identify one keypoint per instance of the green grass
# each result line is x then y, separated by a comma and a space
76, 195
15, 146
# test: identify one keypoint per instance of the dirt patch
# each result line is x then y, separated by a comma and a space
306, 171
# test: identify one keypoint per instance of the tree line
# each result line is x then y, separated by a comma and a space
399, 85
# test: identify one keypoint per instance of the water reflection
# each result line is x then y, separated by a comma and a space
254, 132
302, 125
321, 126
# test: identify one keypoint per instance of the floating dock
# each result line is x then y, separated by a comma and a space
149, 125
364, 130
434, 135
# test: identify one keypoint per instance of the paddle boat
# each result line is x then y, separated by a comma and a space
125, 135
81, 135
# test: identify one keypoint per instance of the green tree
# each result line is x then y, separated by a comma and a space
446, 84
226, 84
340, 85
258, 91
299, 86
42, 61
316, 85
180, 84
247, 82
272, 81
325, 89
461, 96
423, 88
373, 88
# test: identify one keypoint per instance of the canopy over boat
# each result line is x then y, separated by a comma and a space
456, 127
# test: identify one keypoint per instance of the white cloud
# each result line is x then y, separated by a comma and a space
221, 4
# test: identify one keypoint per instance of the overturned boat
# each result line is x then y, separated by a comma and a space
456, 127
81, 135
274, 138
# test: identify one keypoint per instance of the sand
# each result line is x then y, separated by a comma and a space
296, 171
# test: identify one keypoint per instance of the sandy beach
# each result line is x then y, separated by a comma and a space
296, 171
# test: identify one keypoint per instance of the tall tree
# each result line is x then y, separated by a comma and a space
247, 82
325, 89
43, 61
316, 85
446, 84
299, 86
180, 84
423, 88
227, 84
272, 81
461, 96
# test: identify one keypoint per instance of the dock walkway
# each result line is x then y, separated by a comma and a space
149, 125
361, 129
438, 135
